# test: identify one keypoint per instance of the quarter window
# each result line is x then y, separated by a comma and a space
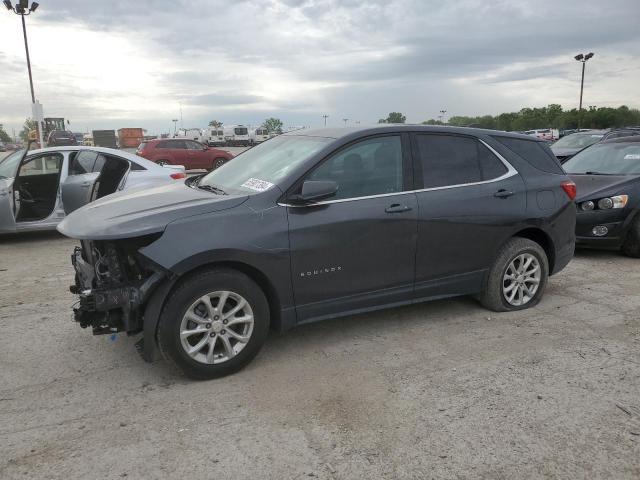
449, 160
369, 167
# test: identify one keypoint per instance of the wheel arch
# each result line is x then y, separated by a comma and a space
158, 298
543, 239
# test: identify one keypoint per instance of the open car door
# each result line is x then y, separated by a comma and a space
76, 190
7, 216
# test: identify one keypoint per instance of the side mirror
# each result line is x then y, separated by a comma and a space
314, 190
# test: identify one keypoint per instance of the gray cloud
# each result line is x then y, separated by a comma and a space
364, 57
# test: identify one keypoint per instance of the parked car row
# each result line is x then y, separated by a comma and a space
571, 144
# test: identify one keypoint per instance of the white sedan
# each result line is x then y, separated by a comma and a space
36, 192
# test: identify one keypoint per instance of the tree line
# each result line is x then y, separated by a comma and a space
551, 116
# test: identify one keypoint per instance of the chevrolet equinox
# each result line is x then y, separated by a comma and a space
317, 224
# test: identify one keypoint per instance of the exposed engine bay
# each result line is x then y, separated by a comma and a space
113, 281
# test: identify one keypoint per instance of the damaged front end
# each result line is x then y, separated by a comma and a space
114, 282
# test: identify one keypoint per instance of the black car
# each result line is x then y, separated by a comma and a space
60, 138
317, 224
607, 175
569, 145
622, 132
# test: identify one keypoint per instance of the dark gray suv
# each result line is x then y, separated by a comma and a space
321, 223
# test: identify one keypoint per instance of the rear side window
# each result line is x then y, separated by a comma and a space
449, 160
535, 153
135, 166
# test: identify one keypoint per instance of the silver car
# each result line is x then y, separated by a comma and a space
37, 192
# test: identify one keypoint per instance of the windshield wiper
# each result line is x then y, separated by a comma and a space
211, 188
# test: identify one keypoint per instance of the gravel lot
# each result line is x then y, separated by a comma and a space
439, 390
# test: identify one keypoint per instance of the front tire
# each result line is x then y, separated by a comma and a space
213, 324
518, 277
631, 245
218, 162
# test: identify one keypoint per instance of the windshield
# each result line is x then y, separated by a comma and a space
578, 140
241, 131
9, 165
607, 158
259, 168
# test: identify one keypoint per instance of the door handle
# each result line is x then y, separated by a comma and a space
502, 193
86, 184
397, 208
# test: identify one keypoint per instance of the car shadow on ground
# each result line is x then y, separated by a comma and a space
30, 237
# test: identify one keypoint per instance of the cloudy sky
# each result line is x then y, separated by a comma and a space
112, 64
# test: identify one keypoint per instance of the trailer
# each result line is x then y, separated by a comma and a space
191, 134
237, 135
214, 137
258, 135
105, 138
130, 137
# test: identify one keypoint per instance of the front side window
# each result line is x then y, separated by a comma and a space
42, 165
369, 167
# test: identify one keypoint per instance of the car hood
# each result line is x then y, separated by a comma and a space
596, 186
564, 152
137, 212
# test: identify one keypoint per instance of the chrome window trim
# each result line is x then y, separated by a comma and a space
511, 171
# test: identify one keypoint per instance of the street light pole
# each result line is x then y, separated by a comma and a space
325, 119
22, 8
582, 58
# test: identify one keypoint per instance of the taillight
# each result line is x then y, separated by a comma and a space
569, 188
178, 175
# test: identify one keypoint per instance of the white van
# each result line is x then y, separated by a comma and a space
214, 137
237, 135
190, 133
549, 134
258, 135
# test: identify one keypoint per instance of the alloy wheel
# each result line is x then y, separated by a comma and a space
216, 327
521, 279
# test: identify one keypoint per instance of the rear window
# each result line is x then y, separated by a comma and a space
241, 131
142, 145
535, 153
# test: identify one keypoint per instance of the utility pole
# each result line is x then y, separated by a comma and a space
175, 122
22, 8
582, 58
325, 119
345, 120
441, 116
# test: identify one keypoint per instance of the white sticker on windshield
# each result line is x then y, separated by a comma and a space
257, 184
632, 156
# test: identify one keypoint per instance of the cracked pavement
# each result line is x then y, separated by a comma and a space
438, 390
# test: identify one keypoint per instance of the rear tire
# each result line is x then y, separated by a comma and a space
518, 277
631, 245
216, 328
